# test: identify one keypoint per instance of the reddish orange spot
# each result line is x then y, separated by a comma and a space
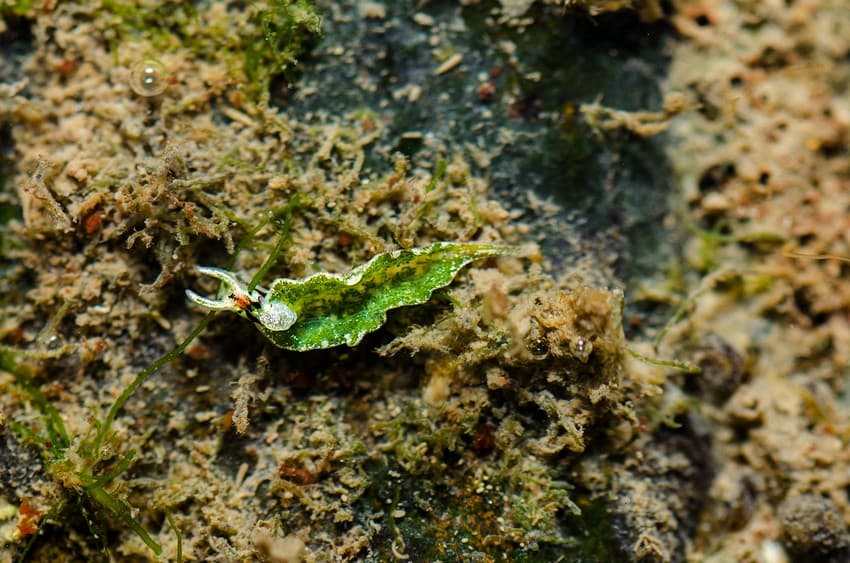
486, 91
242, 301
66, 67
297, 475
92, 222
199, 352
28, 524
344, 240
236, 97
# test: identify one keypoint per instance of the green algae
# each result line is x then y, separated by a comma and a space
541, 73
21, 8
594, 534
428, 519
85, 465
77, 463
545, 392
287, 28
275, 34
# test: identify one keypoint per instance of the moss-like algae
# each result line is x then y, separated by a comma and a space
269, 42
517, 372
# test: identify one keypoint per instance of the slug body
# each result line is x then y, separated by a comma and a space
325, 310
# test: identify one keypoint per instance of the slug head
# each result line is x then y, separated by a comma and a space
272, 315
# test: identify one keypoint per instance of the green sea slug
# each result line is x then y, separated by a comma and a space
325, 310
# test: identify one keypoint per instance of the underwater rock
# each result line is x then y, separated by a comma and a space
722, 370
658, 492
813, 529
20, 467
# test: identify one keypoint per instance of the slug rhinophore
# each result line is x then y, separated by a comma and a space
325, 310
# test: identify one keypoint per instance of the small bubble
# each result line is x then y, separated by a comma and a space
539, 348
148, 78
581, 348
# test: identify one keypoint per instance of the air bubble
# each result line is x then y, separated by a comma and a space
148, 78
539, 348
